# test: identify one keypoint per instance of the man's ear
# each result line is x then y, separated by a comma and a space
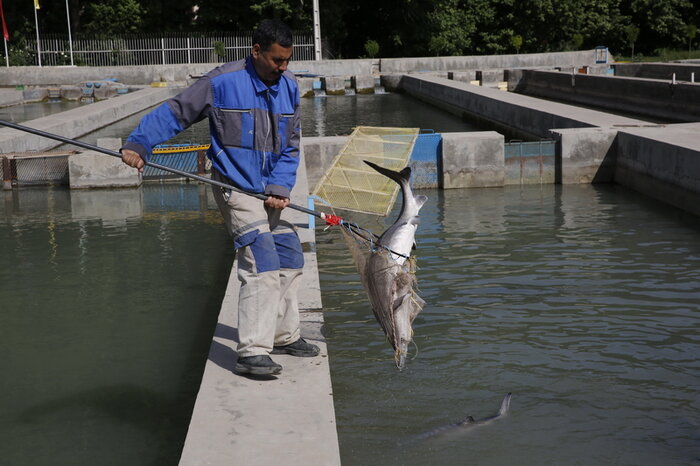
256, 50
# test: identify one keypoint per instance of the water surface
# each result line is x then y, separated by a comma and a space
326, 116
34, 110
108, 302
583, 301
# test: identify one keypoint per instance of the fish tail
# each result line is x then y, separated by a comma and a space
400, 177
505, 406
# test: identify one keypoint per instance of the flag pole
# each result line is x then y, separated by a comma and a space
70, 39
7, 55
36, 21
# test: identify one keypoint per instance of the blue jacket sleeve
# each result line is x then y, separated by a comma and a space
170, 118
283, 177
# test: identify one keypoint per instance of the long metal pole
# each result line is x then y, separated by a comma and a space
7, 55
38, 46
70, 38
317, 31
328, 218
203, 179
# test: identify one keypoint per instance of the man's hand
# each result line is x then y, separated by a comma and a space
277, 202
132, 159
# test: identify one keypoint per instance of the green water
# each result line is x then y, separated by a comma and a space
108, 303
32, 111
583, 301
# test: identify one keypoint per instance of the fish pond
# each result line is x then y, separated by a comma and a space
583, 301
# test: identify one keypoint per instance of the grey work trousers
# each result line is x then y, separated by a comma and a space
270, 262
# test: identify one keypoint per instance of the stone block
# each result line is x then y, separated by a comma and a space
306, 87
363, 83
472, 160
586, 155
71, 92
489, 77
35, 94
462, 76
92, 169
104, 92
334, 85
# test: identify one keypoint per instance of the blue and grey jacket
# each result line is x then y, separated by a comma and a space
255, 129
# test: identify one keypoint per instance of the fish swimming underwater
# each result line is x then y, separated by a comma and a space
389, 272
467, 422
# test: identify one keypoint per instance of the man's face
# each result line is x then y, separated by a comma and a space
271, 63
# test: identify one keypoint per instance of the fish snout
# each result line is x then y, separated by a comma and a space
401, 361
400, 354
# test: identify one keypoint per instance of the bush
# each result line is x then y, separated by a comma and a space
372, 48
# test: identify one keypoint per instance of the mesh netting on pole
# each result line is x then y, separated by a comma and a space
352, 185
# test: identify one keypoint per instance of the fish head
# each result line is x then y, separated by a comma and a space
404, 315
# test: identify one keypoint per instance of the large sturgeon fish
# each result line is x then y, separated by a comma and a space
389, 272
467, 422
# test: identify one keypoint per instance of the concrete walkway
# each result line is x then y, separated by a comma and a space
79, 121
288, 420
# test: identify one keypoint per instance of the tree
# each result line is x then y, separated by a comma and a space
691, 30
113, 17
517, 42
632, 33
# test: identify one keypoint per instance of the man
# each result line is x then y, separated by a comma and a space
253, 111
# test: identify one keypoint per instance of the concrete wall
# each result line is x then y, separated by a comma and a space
518, 115
483, 62
655, 99
658, 70
10, 97
472, 160
585, 155
468, 160
80, 121
92, 169
663, 163
56, 75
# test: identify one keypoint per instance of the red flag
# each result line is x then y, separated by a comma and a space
5, 33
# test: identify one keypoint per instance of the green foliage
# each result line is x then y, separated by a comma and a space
632, 33
399, 27
19, 52
219, 49
113, 17
661, 55
516, 41
372, 48
577, 41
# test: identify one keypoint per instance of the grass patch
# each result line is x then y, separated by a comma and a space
661, 55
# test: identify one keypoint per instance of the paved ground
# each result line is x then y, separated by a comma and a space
287, 420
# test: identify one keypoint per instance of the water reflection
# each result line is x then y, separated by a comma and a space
32, 111
581, 300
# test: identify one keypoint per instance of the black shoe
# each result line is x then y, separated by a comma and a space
257, 365
298, 348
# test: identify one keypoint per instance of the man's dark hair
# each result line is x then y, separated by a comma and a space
272, 31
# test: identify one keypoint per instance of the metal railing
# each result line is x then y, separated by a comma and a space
154, 49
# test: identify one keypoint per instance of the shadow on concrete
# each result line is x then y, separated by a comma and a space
225, 357
227, 332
